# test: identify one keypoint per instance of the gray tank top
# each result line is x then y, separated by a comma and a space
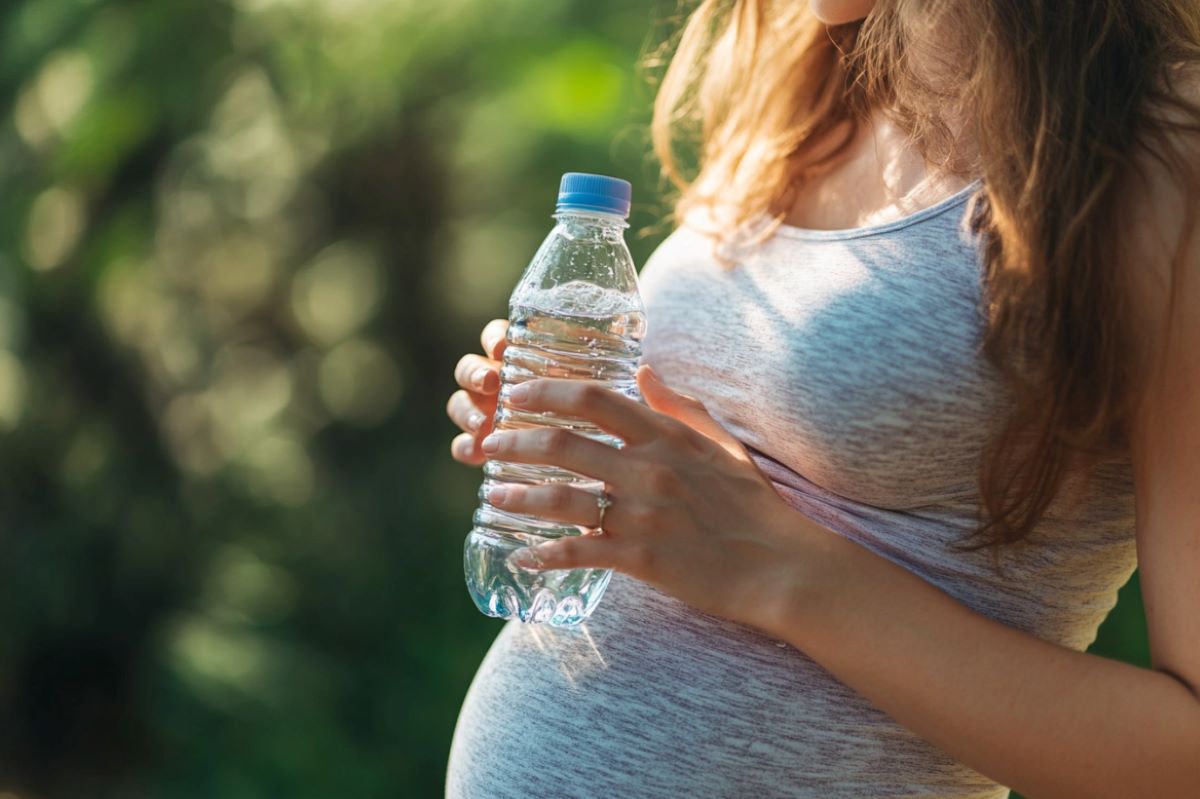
848, 362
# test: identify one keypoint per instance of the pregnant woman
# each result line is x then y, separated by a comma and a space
926, 335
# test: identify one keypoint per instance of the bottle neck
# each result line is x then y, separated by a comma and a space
601, 221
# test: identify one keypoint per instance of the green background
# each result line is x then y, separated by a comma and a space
243, 244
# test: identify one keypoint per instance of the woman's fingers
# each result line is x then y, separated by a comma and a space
557, 501
477, 373
465, 449
581, 551
687, 409
473, 407
492, 338
612, 411
470, 411
557, 446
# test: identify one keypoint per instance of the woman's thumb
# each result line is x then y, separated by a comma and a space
689, 410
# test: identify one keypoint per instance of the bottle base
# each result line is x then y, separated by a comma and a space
557, 597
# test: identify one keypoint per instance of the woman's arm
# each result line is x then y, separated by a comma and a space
1040, 718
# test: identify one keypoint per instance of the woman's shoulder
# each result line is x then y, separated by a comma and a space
1160, 207
1169, 136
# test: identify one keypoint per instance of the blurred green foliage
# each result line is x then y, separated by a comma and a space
243, 244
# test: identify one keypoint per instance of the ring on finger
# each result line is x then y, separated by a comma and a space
603, 502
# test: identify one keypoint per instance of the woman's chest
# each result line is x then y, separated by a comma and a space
855, 362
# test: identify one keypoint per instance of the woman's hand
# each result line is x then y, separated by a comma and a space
691, 513
473, 406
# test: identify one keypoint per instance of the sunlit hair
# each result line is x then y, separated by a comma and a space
1065, 100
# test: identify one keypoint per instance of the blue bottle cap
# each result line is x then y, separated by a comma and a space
588, 192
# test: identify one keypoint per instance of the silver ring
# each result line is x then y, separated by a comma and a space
603, 502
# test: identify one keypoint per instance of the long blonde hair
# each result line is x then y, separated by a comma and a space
1062, 98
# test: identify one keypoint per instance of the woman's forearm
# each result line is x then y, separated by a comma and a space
1045, 720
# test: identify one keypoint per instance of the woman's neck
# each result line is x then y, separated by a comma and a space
880, 177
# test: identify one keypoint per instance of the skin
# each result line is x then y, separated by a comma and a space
837, 12
692, 516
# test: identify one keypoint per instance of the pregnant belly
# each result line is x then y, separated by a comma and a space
653, 698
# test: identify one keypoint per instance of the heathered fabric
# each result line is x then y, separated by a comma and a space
848, 362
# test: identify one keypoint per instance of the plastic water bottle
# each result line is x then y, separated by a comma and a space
576, 313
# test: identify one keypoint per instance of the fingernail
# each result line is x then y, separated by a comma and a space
490, 444
478, 376
474, 420
519, 393
497, 493
526, 558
